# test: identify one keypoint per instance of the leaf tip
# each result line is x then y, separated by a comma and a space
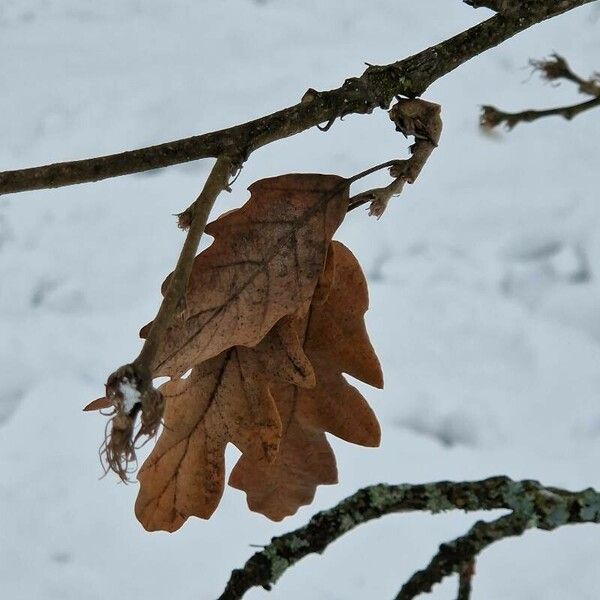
97, 404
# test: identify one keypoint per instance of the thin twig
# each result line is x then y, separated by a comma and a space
385, 165
465, 581
378, 196
459, 554
532, 505
217, 181
375, 88
492, 117
556, 67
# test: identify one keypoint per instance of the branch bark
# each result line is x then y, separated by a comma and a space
532, 504
375, 88
496, 5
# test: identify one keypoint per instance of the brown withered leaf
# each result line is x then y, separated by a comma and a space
335, 342
325, 281
263, 265
225, 399
305, 460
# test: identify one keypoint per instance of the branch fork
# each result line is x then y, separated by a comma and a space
531, 505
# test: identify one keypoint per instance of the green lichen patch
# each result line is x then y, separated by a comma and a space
590, 506
295, 543
517, 498
383, 496
277, 562
436, 500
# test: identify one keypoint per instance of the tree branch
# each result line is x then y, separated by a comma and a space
375, 88
532, 506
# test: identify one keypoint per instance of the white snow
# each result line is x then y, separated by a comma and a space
484, 280
131, 395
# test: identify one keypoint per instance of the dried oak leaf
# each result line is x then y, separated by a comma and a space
335, 342
305, 460
225, 399
263, 265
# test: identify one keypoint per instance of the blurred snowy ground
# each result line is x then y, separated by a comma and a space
484, 285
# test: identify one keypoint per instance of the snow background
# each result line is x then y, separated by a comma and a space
484, 285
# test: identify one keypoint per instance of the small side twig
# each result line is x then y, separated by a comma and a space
458, 555
197, 217
492, 117
556, 67
465, 580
